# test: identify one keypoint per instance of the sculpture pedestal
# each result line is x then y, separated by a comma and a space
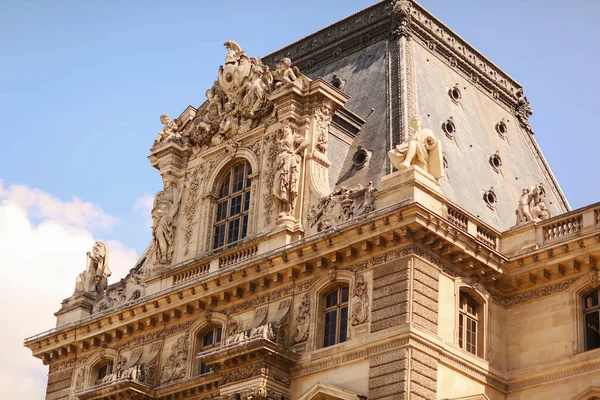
76, 307
411, 183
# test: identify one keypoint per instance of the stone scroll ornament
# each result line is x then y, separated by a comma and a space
176, 363
164, 212
302, 320
341, 205
421, 149
532, 205
360, 302
287, 168
95, 277
238, 100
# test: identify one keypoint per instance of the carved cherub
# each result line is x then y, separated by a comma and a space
170, 129
285, 73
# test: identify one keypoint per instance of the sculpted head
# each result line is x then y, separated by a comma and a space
165, 119
168, 180
285, 62
99, 249
415, 122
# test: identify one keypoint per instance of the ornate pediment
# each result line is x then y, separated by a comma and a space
323, 391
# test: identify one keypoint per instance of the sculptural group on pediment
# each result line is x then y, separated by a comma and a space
421, 149
170, 130
95, 277
532, 205
341, 205
236, 103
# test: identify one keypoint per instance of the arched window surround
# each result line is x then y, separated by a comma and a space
318, 292
481, 296
209, 198
92, 365
196, 333
582, 287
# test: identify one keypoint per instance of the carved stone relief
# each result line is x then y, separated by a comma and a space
360, 301
341, 205
532, 205
191, 206
323, 115
175, 366
302, 320
523, 111
421, 149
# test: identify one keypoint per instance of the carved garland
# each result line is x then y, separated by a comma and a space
191, 206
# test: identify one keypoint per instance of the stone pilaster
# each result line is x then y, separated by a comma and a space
425, 282
390, 295
59, 384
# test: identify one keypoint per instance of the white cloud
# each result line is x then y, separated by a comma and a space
43, 242
143, 206
41, 205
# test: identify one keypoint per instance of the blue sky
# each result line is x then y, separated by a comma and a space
83, 83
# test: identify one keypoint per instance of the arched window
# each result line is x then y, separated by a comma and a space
468, 324
591, 319
335, 327
101, 370
205, 340
233, 203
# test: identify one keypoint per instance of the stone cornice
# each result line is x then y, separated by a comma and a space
376, 23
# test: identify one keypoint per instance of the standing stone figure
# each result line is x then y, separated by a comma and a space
95, 277
523, 213
164, 211
285, 182
421, 149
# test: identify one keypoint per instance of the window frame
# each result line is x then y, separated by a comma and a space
338, 308
465, 315
245, 207
481, 297
217, 331
108, 363
584, 311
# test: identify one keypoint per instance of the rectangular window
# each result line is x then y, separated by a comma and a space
592, 331
343, 323
219, 240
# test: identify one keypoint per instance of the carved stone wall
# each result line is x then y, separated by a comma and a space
425, 289
390, 295
403, 374
59, 384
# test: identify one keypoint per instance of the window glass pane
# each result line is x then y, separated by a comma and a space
343, 324
238, 178
224, 189
471, 306
236, 205
221, 211
244, 226
591, 300
233, 231
246, 201
331, 299
218, 335
592, 331
344, 295
208, 339
219, 239
471, 335
330, 322
460, 330
249, 169
204, 369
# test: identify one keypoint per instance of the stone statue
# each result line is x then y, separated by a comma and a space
95, 277
285, 182
164, 211
532, 205
421, 149
284, 72
360, 301
169, 131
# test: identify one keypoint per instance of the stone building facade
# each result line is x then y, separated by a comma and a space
316, 239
